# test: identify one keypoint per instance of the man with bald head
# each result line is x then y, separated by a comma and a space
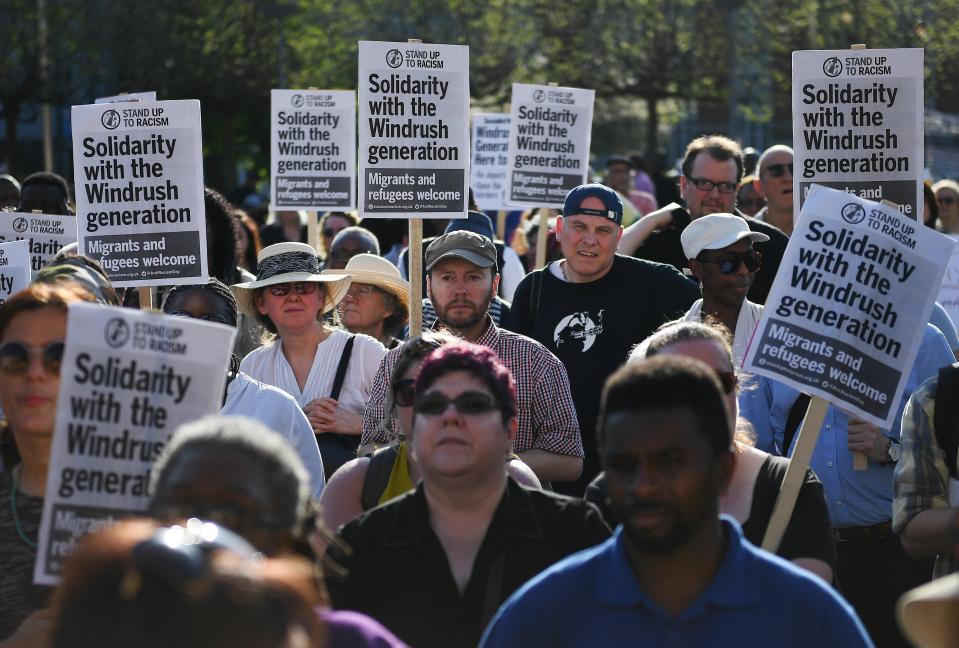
775, 184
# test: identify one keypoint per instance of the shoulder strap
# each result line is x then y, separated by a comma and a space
377, 476
946, 416
796, 414
534, 295
341, 368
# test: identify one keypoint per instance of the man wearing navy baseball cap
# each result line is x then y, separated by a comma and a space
593, 305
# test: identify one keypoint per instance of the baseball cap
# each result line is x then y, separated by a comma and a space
462, 244
716, 231
474, 222
612, 204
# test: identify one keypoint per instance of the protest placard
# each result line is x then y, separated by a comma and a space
312, 149
128, 379
46, 234
14, 268
549, 137
949, 290
847, 310
858, 124
130, 96
488, 166
414, 130
138, 170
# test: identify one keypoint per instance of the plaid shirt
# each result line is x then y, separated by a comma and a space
922, 478
547, 416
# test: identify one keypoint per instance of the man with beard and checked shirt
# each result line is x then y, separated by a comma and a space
461, 282
676, 572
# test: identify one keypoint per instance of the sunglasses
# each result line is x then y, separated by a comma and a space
729, 262
468, 403
210, 317
777, 170
15, 357
707, 185
728, 380
946, 200
301, 288
404, 391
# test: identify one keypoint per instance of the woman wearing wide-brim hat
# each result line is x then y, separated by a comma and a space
289, 298
378, 300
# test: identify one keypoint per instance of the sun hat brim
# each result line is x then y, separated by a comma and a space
396, 286
338, 285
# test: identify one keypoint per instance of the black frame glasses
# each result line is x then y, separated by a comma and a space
777, 170
15, 357
728, 262
469, 403
707, 185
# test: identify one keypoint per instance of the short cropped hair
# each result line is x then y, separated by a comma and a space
775, 148
482, 362
214, 286
719, 148
51, 180
668, 383
372, 243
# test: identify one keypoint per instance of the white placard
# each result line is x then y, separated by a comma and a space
14, 268
414, 130
130, 96
858, 124
549, 136
849, 305
45, 233
138, 170
313, 149
128, 379
488, 165
949, 290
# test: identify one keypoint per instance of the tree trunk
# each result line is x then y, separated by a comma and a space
11, 116
652, 128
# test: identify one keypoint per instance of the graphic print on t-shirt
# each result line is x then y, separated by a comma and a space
578, 330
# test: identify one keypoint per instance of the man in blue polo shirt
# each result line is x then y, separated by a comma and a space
675, 572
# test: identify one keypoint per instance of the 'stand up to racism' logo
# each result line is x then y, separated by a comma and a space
20, 225
296, 100
394, 58
110, 119
539, 96
853, 213
116, 332
832, 66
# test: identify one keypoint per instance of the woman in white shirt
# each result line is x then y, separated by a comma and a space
289, 298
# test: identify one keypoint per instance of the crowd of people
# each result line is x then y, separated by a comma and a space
565, 455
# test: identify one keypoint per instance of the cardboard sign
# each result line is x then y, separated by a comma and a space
128, 379
858, 125
846, 313
488, 167
138, 170
131, 96
44, 233
14, 268
549, 135
312, 149
414, 130
949, 290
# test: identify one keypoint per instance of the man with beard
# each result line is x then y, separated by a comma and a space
675, 572
461, 281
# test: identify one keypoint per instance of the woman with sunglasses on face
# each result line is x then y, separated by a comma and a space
367, 482
327, 370
33, 325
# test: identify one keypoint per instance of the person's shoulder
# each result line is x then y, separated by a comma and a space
778, 579
570, 579
367, 343
258, 356
266, 394
643, 268
551, 503
374, 525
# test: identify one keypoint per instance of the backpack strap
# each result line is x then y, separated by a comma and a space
377, 476
796, 414
946, 415
534, 296
341, 368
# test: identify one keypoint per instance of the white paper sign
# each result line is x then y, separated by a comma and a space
45, 233
858, 124
14, 268
313, 149
549, 136
488, 166
128, 379
949, 290
414, 130
138, 170
848, 308
131, 96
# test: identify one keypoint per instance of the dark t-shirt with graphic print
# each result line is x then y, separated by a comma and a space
592, 327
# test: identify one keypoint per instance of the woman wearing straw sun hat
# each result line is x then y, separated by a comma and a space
377, 302
327, 370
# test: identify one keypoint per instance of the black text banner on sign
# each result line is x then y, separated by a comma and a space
128, 379
413, 130
858, 124
45, 233
489, 163
138, 171
313, 149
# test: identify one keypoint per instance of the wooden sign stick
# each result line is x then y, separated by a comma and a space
415, 256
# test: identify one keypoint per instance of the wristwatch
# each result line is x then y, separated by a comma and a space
893, 452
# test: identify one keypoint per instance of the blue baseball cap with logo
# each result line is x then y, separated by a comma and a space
612, 204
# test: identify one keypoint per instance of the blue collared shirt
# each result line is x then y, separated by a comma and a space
593, 599
856, 498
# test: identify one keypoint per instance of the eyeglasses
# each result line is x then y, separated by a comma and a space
468, 403
946, 200
209, 317
15, 357
707, 185
777, 170
728, 380
360, 290
301, 288
729, 262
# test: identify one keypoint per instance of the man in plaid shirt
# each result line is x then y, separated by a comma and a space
461, 281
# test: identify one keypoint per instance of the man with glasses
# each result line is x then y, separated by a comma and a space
712, 169
775, 184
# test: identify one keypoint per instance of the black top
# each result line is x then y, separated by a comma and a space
808, 534
19, 597
664, 246
591, 327
398, 572
271, 234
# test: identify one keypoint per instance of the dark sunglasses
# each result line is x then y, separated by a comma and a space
946, 200
301, 288
729, 262
467, 403
777, 170
15, 357
209, 317
404, 391
728, 380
